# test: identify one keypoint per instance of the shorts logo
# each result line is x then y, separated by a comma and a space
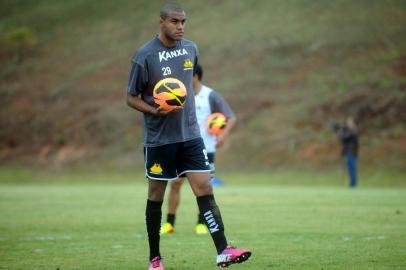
156, 169
187, 64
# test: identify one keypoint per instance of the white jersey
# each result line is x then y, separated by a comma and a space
207, 102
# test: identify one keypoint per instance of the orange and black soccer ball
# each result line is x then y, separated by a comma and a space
170, 93
216, 123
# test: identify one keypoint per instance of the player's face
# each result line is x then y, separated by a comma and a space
173, 26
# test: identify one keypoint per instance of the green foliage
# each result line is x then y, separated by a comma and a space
19, 42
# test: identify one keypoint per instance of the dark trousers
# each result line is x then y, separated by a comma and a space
351, 161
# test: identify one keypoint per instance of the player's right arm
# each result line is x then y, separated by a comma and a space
137, 84
137, 103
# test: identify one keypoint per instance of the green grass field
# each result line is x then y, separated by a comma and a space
100, 225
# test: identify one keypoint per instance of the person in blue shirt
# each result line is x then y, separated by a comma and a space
348, 136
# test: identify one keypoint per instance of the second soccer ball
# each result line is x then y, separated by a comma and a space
216, 123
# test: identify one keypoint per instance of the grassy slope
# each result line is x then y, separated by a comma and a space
94, 226
275, 61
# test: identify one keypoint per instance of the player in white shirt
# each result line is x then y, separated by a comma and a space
207, 102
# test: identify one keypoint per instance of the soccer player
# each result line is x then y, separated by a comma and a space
173, 146
207, 101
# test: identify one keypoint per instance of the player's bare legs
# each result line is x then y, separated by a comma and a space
200, 183
156, 190
201, 186
173, 203
174, 195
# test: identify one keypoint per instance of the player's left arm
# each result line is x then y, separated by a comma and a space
222, 137
220, 105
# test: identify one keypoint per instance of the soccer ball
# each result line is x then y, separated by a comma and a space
216, 123
169, 93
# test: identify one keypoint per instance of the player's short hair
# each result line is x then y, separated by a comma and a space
199, 72
170, 7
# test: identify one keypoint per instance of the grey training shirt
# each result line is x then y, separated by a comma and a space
152, 63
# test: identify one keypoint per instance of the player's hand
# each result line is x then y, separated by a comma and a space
220, 140
161, 112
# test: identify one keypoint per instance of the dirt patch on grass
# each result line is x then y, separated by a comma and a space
399, 66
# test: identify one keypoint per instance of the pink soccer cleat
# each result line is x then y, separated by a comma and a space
156, 264
232, 255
